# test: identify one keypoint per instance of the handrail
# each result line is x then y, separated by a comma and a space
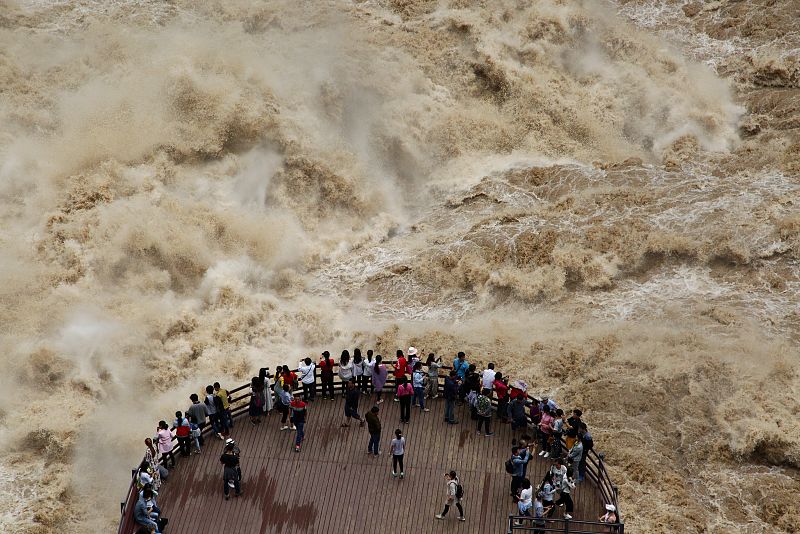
595, 467
524, 523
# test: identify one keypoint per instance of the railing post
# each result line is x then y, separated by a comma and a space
566, 526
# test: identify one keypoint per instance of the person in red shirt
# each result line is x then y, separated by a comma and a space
289, 377
400, 369
501, 390
326, 373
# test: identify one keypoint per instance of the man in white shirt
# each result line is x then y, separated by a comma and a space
487, 379
308, 378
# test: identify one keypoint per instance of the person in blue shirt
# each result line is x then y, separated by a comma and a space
418, 382
460, 365
141, 514
520, 458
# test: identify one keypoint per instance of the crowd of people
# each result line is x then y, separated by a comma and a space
536, 425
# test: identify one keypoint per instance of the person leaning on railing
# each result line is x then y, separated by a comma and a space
345, 370
308, 379
326, 365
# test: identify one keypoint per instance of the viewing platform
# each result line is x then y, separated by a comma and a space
333, 485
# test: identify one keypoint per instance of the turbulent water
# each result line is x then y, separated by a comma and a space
604, 198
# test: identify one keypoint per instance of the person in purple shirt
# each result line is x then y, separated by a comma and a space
379, 376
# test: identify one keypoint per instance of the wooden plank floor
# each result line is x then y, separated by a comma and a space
334, 484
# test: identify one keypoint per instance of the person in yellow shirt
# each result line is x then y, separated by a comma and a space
227, 418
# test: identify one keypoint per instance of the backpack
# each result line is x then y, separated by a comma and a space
459, 491
483, 405
510, 466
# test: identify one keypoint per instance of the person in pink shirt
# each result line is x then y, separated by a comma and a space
545, 431
404, 392
164, 437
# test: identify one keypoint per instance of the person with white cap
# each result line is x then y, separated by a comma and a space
610, 516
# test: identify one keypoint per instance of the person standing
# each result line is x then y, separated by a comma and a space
574, 456
199, 411
450, 397
460, 365
588, 444
159, 471
227, 418
263, 376
374, 428
358, 369
379, 376
520, 456
284, 400
369, 368
352, 396
548, 492
525, 500
559, 421
400, 369
519, 421
183, 433
558, 470
165, 444
256, 405
455, 492
545, 432
308, 379
483, 407
345, 370
501, 391
404, 394
418, 382
538, 515
398, 450
326, 373
434, 365
565, 497
571, 428
298, 408
214, 415
487, 379
230, 471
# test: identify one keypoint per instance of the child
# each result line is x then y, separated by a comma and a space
195, 432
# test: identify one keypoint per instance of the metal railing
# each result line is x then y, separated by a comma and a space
595, 467
518, 523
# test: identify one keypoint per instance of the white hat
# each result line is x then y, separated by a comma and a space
412, 351
611, 508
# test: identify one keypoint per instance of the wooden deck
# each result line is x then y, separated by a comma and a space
333, 485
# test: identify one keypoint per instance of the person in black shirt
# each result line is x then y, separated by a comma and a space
352, 396
231, 472
450, 396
